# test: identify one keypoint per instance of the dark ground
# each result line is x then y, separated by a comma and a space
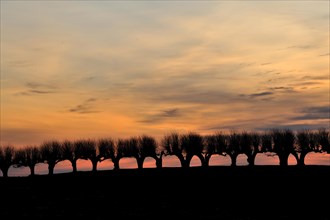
240, 193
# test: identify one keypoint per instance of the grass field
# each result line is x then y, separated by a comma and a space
260, 192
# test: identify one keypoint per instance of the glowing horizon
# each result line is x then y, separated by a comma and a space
92, 69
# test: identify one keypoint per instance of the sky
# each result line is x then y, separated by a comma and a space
92, 69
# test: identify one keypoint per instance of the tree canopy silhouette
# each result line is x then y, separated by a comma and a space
6, 159
279, 142
51, 153
28, 157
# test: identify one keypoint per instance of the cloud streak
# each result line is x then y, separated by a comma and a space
35, 88
162, 116
314, 113
257, 95
86, 107
261, 94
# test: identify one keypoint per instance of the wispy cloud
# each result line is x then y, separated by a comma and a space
35, 85
264, 124
313, 113
309, 83
294, 127
35, 88
162, 116
35, 91
86, 107
282, 88
315, 77
261, 94
300, 47
256, 95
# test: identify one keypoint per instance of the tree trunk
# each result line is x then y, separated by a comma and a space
140, 162
251, 159
233, 158
187, 160
200, 156
32, 173
295, 154
94, 163
5, 171
51, 167
283, 159
74, 166
207, 160
182, 160
159, 163
301, 161
116, 163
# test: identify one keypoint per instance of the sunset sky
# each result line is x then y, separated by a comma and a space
90, 69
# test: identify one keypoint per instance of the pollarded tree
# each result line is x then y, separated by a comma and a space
266, 145
249, 145
171, 146
323, 140
256, 141
128, 148
234, 146
307, 142
107, 150
28, 157
246, 146
6, 159
266, 142
215, 144
51, 153
86, 149
210, 148
69, 153
148, 148
192, 144
284, 145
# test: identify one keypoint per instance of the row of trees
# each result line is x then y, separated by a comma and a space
184, 146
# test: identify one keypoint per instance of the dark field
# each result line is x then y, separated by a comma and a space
246, 193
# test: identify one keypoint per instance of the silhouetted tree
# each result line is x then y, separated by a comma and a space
263, 143
86, 149
28, 157
323, 140
192, 145
210, 148
266, 142
107, 150
246, 146
6, 159
148, 148
171, 145
51, 153
215, 144
234, 146
249, 145
284, 145
128, 148
307, 142
69, 152
256, 141
280, 142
